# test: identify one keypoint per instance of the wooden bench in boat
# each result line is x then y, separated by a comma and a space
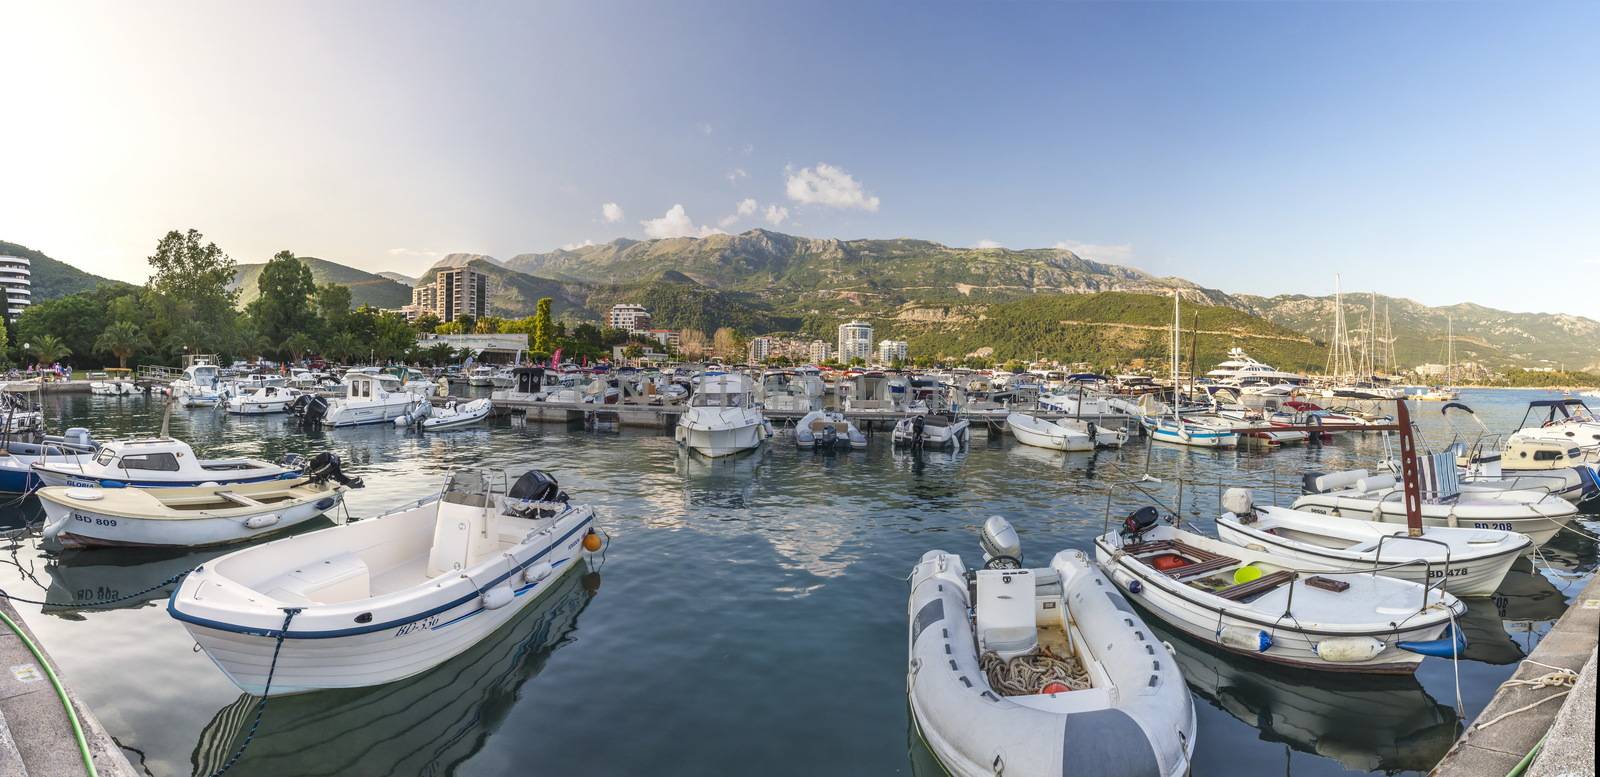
1242, 591
1204, 561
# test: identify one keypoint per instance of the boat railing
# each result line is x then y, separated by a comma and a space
160, 373
1427, 578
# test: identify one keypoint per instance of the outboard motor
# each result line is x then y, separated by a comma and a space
535, 494
1141, 521
1241, 503
999, 540
829, 435
315, 408
325, 467
917, 425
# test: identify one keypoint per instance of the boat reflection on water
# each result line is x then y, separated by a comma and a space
1366, 723
425, 725
1504, 628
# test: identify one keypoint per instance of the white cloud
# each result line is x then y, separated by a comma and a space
776, 214
676, 223
735, 174
611, 212
575, 246
705, 128
828, 185
746, 206
989, 244
727, 221
1118, 253
747, 149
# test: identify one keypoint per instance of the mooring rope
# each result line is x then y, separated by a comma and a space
1028, 675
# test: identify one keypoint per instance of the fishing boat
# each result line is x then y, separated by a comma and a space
383, 599
1446, 501
370, 399
723, 417
1256, 604
826, 430
263, 401
1066, 434
456, 416
1469, 562
1044, 671
932, 431
1173, 425
19, 454
191, 517
157, 462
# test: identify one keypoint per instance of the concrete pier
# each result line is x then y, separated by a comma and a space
35, 736
1497, 748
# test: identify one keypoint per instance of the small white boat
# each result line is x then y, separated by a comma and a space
823, 429
111, 383
1470, 562
1259, 605
263, 401
1379, 497
722, 417
383, 599
1049, 672
1067, 434
1199, 431
157, 462
454, 416
932, 431
191, 517
369, 399
17, 457
481, 376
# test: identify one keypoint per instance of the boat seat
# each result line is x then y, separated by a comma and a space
1171, 546
1240, 592
1004, 615
340, 578
1201, 568
240, 499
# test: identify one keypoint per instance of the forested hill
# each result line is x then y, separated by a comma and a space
365, 288
53, 278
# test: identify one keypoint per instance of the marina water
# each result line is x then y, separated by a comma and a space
748, 616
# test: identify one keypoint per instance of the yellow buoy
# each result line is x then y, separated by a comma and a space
1246, 573
591, 543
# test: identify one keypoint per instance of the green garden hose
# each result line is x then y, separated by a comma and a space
61, 693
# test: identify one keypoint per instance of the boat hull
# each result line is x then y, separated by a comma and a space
341, 414
76, 526
721, 442
1539, 527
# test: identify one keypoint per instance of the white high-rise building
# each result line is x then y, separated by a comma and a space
855, 341
629, 318
820, 351
891, 351
16, 277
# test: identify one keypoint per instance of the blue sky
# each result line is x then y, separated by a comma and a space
1445, 152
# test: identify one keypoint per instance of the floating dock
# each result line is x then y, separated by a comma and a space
36, 738
1526, 712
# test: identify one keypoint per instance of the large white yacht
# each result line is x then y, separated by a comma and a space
1239, 368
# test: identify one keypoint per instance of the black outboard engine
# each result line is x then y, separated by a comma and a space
917, 425
1142, 520
313, 409
325, 467
535, 494
829, 436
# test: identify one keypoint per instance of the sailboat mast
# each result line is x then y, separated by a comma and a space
1176, 327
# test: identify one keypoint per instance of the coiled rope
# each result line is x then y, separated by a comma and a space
1028, 675
1557, 677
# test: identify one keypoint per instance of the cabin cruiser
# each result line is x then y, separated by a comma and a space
827, 429
370, 399
384, 599
264, 400
1568, 419
157, 462
1263, 606
200, 385
1040, 671
1527, 461
877, 394
529, 384
481, 375
723, 417
1446, 501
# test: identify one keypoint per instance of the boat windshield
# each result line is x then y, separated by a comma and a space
468, 487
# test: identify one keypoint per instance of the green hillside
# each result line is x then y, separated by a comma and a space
365, 288
52, 278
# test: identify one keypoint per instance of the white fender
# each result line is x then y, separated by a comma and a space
261, 521
1245, 638
536, 572
497, 597
1349, 649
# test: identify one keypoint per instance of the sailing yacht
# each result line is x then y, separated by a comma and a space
1200, 430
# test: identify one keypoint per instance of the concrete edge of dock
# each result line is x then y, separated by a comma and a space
1528, 714
35, 735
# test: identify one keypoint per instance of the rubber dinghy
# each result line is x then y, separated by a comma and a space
1067, 434
1260, 605
1051, 672
454, 416
383, 599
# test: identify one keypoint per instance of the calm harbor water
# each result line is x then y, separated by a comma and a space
749, 615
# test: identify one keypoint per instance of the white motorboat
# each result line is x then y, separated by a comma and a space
1531, 462
456, 416
191, 517
111, 383
1045, 671
1067, 434
1195, 430
200, 385
932, 431
722, 417
1241, 370
1470, 562
1380, 497
1251, 424
791, 391
157, 462
482, 375
370, 399
1255, 604
380, 600
827, 429
529, 384
263, 401
17, 457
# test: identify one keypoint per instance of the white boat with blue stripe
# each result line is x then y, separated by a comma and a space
157, 462
380, 600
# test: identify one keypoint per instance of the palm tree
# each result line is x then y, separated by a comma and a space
122, 340
50, 349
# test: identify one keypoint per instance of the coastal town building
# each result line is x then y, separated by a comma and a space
892, 351
855, 341
819, 351
452, 293
629, 317
16, 278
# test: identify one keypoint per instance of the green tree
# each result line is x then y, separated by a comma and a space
75, 321
192, 304
426, 323
122, 339
297, 345
284, 307
541, 325
440, 354
49, 349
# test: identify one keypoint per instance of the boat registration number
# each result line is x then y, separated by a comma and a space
416, 626
1491, 525
94, 521
1454, 572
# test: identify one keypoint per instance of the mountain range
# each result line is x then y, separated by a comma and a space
943, 299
